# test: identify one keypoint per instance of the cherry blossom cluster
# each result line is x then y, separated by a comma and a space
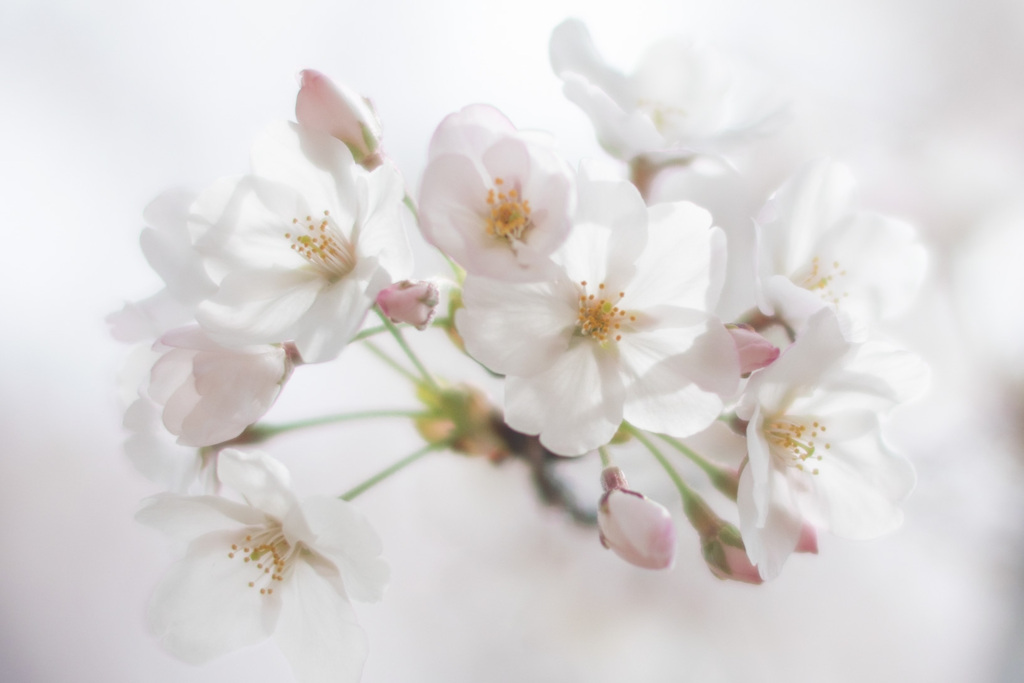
597, 306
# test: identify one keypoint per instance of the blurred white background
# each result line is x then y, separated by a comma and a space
106, 103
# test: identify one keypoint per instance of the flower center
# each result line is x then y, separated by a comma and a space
510, 214
599, 317
821, 278
268, 554
323, 244
663, 116
794, 442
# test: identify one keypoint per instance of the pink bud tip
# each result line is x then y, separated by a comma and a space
755, 351
410, 302
737, 566
808, 541
637, 529
329, 108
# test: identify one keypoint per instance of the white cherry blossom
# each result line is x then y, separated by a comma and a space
816, 251
682, 99
269, 566
816, 454
301, 247
494, 199
619, 332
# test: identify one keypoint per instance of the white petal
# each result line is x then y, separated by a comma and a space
335, 317
343, 535
517, 329
675, 266
262, 481
259, 306
672, 374
204, 607
771, 541
317, 630
188, 517
575, 406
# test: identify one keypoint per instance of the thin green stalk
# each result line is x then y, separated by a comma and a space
411, 205
700, 514
723, 479
606, 459
369, 332
387, 472
267, 431
377, 351
397, 334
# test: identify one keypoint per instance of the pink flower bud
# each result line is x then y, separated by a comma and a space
409, 302
639, 530
808, 541
330, 108
727, 556
754, 350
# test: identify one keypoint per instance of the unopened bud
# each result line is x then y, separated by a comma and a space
636, 528
727, 556
410, 302
334, 109
808, 541
755, 351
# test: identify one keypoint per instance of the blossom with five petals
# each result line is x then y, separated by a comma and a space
815, 252
270, 566
300, 248
619, 332
815, 449
494, 199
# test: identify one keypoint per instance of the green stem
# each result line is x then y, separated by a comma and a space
377, 351
397, 334
606, 459
411, 205
723, 479
267, 431
387, 472
700, 514
369, 332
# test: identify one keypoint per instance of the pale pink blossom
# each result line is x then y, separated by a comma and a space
209, 394
495, 199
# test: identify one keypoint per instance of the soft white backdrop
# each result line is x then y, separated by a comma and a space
106, 103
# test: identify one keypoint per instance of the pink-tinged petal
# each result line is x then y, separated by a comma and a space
317, 629
638, 529
575, 406
261, 480
769, 542
187, 517
516, 329
343, 535
259, 306
808, 541
168, 374
754, 351
675, 266
334, 109
469, 131
204, 606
